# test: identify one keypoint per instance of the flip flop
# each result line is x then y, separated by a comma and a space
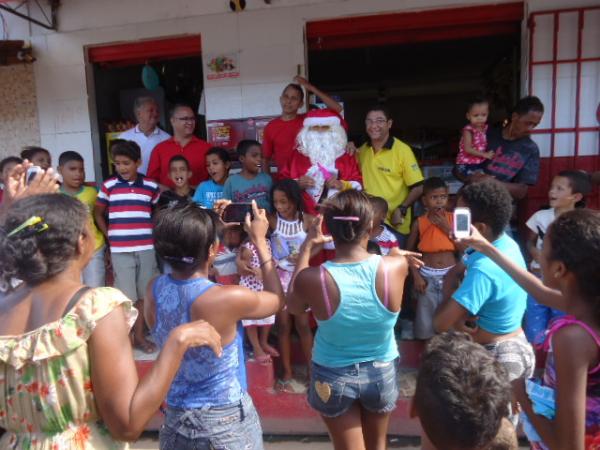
271, 351
146, 346
290, 386
264, 360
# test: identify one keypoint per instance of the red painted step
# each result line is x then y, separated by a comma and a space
283, 413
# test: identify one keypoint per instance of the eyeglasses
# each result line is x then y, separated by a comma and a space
186, 119
379, 121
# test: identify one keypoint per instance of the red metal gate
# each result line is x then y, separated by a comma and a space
564, 71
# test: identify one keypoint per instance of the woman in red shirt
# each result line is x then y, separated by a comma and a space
279, 139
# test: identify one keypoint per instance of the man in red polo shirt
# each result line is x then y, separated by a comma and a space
182, 143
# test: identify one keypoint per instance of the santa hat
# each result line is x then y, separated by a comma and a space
321, 118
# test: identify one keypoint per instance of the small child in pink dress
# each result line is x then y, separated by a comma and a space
256, 330
472, 153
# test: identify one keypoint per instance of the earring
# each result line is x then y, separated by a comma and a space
556, 274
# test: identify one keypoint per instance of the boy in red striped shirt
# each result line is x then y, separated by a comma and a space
127, 200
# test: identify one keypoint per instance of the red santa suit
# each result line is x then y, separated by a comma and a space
320, 162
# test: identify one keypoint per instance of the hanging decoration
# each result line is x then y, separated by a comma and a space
150, 78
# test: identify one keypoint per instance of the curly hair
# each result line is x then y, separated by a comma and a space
128, 149
575, 241
35, 258
292, 191
528, 104
462, 393
348, 204
490, 203
183, 235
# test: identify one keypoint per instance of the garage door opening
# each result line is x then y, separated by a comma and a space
119, 71
423, 66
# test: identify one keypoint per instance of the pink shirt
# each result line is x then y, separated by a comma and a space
479, 142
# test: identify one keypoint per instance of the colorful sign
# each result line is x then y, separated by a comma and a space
223, 66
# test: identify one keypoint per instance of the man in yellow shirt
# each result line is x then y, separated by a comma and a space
390, 170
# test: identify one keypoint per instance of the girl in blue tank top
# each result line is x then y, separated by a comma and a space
206, 406
356, 299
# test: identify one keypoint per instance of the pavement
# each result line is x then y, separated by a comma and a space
149, 441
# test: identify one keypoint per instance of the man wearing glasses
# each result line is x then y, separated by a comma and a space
390, 170
184, 143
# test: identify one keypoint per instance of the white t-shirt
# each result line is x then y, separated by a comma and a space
539, 223
146, 143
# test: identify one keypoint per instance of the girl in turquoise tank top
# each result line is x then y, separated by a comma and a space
206, 406
356, 299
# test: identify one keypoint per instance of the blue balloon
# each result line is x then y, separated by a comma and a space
150, 78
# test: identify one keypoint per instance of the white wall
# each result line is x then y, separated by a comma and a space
270, 40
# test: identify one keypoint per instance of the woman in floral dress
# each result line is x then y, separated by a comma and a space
67, 374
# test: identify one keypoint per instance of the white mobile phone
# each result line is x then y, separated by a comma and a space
462, 223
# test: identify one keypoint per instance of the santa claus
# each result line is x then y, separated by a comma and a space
320, 163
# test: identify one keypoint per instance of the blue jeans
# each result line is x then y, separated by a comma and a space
228, 427
374, 384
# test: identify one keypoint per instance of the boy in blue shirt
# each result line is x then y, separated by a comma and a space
217, 166
251, 183
486, 293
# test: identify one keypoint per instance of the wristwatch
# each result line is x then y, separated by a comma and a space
403, 209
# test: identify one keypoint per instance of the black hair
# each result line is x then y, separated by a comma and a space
292, 191
296, 87
478, 100
348, 205
244, 145
181, 158
575, 241
183, 235
30, 151
462, 393
433, 183
222, 153
380, 107
506, 438
490, 203
580, 182
9, 160
379, 204
528, 104
178, 105
69, 156
35, 257
373, 248
128, 149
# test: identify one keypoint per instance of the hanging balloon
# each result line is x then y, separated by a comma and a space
150, 78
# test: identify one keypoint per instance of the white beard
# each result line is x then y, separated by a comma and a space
322, 148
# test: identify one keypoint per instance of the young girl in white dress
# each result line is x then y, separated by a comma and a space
288, 225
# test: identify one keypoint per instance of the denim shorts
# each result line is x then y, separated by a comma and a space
373, 384
228, 427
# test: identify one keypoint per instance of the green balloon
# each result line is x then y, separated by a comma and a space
150, 78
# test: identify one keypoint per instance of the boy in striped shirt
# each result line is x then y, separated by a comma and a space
127, 200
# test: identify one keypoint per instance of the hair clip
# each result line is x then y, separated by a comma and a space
182, 259
347, 218
31, 226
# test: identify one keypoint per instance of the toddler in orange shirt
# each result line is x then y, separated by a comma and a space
429, 235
